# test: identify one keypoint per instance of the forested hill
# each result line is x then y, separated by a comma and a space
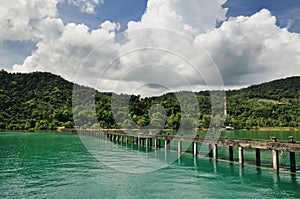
44, 101
277, 89
34, 101
271, 104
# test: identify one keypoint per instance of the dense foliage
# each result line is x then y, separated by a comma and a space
44, 101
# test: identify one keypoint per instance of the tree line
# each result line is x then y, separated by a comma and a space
43, 101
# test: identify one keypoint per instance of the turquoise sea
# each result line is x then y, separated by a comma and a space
63, 165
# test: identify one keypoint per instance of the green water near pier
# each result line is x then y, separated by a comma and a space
60, 165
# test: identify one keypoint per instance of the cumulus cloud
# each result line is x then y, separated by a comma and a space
65, 54
175, 46
253, 49
86, 6
19, 20
142, 56
189, 17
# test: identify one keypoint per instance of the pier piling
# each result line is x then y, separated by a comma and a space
241, 155
257, 155
215, 153
167, 145
275, 159
210, 151
147, 142
231, 153
291, 146
195, 148
179, 147
292, 162
275, 156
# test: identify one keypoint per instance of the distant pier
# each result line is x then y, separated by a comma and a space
156, 140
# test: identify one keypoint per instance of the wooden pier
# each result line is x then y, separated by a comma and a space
156, 140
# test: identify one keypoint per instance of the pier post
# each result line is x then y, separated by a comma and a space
275, 156
210, 151
292, 156
231, 153
147, 142
132, 140
275, 159
257, 154
143, 141
126, 139
215, 151
167, 145
179, 147
150, 142
157, 143
138, 141
292, 162
241, 155
195, 148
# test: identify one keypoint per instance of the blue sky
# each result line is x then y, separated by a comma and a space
243, 44
286, 12
114, 10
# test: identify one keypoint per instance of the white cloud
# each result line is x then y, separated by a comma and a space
109, 26
66, 53
64, 49
189, 17
164, 49
253, 49
86, 6
19, 19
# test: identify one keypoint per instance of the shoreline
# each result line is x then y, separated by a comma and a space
59, 129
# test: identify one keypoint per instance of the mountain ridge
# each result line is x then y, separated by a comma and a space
42, 100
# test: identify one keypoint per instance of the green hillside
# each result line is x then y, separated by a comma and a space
44, 101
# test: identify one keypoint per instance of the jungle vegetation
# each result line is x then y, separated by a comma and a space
43, 101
